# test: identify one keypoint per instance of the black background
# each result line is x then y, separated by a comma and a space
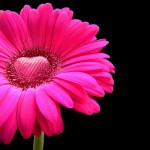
102, 130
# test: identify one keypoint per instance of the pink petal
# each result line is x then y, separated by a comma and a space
90, 32
98, 92
25, 16
59, 126
74, 89
105, 86
3, 91
68, 11
51, 128
25, 13
4, 56
85, 58
94, 105
43, 8
8, 103
73, 25
90, 48
71, 37
88, 108
93, 39
33, 24
9, 28
46, 105
86, 81
6, 48
83, 38
9, 128
59, 31
85, 67
50, 28
22, 30
62, 98
105, 77
26, 112
3, 62
43, 122
45, 11
79, 78
108, 64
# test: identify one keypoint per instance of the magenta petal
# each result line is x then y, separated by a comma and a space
3, 61
68, 11
85, 58
59, 126
3, 57
89, 48
6, 48
106, 87
85, 67
102, 74
9, 103
22, 30
73, 23
85, 80
46, 105
72, 37
88, 108
99, 92
26, 112
3, 91
25, 13
62, 98
69, 34
33, 24
94, 105
25, 16
90, 32
105, 77
50, 28
59, 31
93, 39
79, 78
8, 130
82, 36
74, 90
43, 122
108, 64
51, 128
44, 10
9, 28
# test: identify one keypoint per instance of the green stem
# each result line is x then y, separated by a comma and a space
38, 142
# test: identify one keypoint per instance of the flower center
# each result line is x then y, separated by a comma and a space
31, 68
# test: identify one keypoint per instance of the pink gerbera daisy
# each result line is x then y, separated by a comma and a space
48, 59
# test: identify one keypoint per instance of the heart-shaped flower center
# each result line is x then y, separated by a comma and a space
32, 67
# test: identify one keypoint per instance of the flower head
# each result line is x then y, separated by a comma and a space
48, 59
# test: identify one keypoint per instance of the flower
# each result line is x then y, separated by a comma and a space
48, 59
